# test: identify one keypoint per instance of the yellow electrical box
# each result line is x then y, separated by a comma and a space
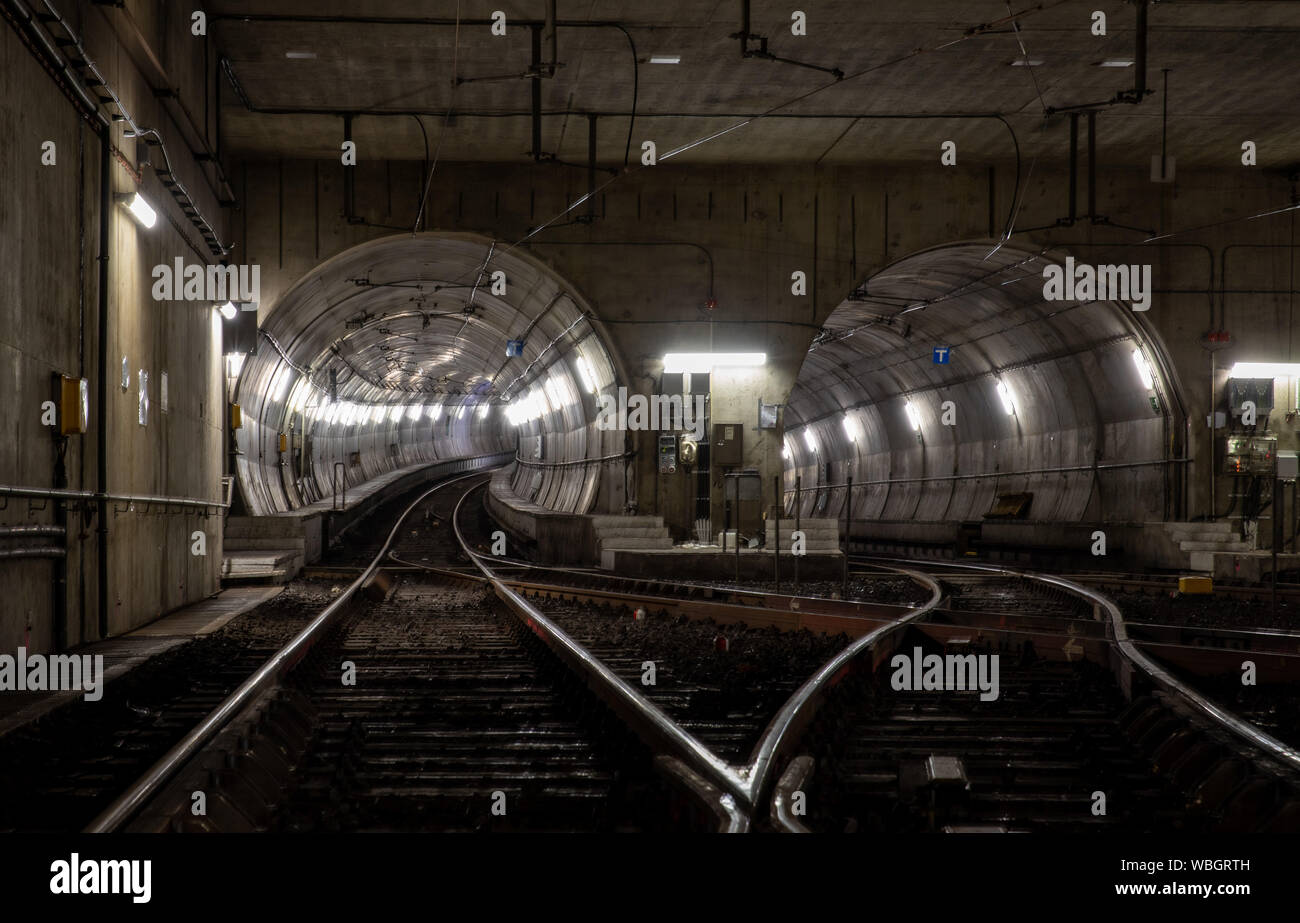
284, 443
74, 405
1190, 585
236, 418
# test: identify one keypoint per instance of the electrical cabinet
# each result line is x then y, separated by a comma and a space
727, 445
1250, 455
1257, 390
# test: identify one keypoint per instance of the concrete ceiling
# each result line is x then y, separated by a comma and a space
1232, 77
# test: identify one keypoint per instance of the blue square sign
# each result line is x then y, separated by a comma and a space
514, 347
941, 355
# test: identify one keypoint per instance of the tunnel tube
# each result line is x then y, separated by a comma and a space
1047, 399
411, 335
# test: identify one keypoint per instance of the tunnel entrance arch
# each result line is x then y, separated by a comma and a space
1042, 405
419, 347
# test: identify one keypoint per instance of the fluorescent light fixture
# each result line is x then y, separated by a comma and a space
234, 364
707, 362
280, 383
395, 414
463, 410
1265, 370
435, 411
483, 410
665, 59
785, 450
228, 310
558, 392
1008, 402
1144, 370
584, 372
413, 412
1116, 62
1027, 62
377, 413
850, 429
913, 417
809, 441
138, 207
300, 55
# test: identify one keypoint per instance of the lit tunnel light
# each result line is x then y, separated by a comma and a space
139, 208
913, 417
809, 441
1265, 370
1008, 400
584, 372
1144, 369
414, 411
435, 411
707, 362
483, 411
228, 310
850, 428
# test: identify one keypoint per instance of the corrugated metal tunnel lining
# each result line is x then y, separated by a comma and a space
411, 333
1047, 398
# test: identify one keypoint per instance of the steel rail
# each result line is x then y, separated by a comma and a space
125, 806
647, 719
783, 730
1287, 755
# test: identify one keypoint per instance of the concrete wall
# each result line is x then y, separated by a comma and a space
49, 234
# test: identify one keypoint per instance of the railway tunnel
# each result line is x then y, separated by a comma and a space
881, 418
946, 388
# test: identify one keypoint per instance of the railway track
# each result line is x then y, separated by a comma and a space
1060, 747
428, 698
446, 689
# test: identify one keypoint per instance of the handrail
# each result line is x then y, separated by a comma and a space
996, 474
126, 804
528, 463
1289, 756
57, 493
649, 720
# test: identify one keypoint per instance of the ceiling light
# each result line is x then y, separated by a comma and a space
1027, 62
228, 310
1116, 62
665, 59
1265, 370
1144, 370
413, 412
435, 411
138, 207
584, 372
785, 450
913, 417
707, 362
483, 410
809, 441
849, 429
463, 410
1008, 403
300, 55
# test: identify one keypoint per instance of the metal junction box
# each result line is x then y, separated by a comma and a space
1250, 455
667, 454
1259, 390
726, 449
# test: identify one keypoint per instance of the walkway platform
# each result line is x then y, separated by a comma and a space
125, 652
274, 548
